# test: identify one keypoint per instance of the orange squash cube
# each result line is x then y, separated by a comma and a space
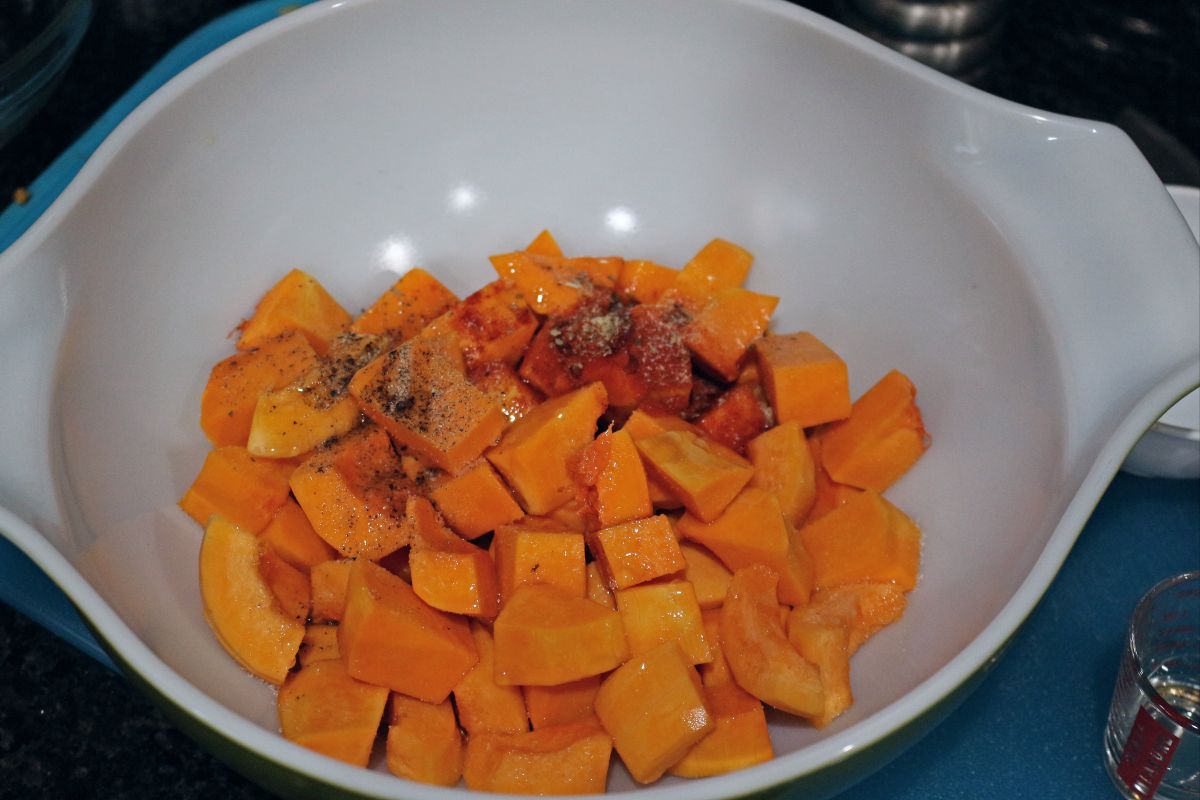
423, 741
419, 396
866, 539
476, 501
716, 672
653, 707
501, 383
245, 489
291, 535
739, 738
537, 283
355, 493
597, 587
645, 281
409, 304
707, 574
880, 440
293, 593
296, 303
753, 531
720, 264
534, 452
735, 419
637, 551
564, 759
483, 705
783, 466
538, 557
653, 613
641, 425
447, 573
703, 477
562, 704
544, 244
545, 637
234, 384
493, 324
319, 644
760, 657
612, 481
323, 708
806, 382
721, 333
390, 637
328, 586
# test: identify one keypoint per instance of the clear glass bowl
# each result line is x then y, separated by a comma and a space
37, 40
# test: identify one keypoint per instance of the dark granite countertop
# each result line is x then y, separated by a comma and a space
70, 728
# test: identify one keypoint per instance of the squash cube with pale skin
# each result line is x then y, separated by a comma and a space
483, 705
739, 738
562, 759
653, 706
721, 333
390, 637
239, 486
759, 655
354, 494
234, 384
408, 305
298, 302
418, 394
476, 501
866, 539
806, 382
322, 707
783, 465
562, 704
636, 552
704, 476
612, 481
653, 613
545, 637
883, 436
423, 741
448, 573
752, 530
535, 451
240, 604
539, 557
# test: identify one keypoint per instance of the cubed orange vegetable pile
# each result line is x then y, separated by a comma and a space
598, 504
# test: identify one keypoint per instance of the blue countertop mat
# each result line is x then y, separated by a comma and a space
1032, 729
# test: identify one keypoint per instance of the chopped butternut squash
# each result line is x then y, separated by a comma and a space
423, 741
484, 705
245, 489
864, 539
297, 303
409, 304
475, 502
637, 551
322, 707
563, 759
703, 477
806, 381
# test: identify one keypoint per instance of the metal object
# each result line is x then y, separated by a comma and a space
952, 19
964, 57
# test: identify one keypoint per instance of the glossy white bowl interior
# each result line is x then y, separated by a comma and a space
1027, 271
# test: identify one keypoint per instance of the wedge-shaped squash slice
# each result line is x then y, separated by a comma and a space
653, 706
544, 244
563, 759
484, 705
227, 404
409, 304
883, 436
297, 303
240, 606
423, 741
324, 709
864, 608
390, 637
535, 451
545, 637
822, 641
761, 658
